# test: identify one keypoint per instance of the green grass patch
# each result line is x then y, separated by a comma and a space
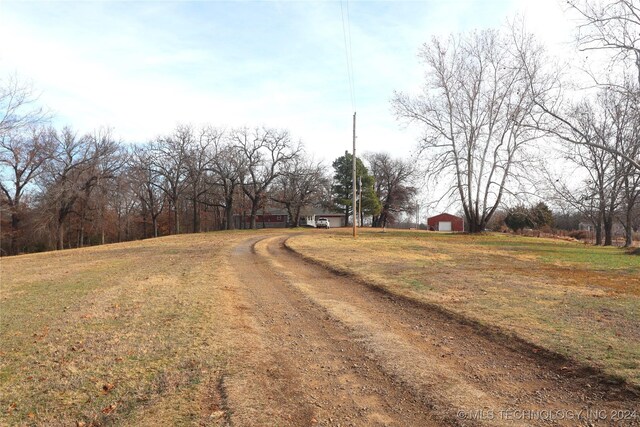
553, 251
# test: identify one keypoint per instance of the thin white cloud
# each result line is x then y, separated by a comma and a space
142, 67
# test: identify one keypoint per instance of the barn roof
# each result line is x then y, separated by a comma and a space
444, 216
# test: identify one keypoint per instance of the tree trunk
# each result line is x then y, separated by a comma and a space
196, 222
608, 230
127, 228
119, 227
144, 226
14, 233
254, 213
81, 237
217, 219
475, 225
60, 242
598, 227
176, 218
628, 230
228, 211
154, 220
291, 211
296, 221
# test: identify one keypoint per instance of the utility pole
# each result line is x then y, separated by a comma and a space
360, 199
353, 201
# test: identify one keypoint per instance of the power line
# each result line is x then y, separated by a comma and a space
349, 56
353, 74
346, 32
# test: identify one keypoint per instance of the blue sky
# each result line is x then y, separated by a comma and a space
143, 67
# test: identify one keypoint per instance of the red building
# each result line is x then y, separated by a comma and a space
274, 218
445, 222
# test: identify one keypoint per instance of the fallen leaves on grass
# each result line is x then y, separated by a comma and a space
107, 387
109, 409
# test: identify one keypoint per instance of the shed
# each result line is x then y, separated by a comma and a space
445, 222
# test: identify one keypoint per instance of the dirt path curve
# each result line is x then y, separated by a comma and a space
320, 349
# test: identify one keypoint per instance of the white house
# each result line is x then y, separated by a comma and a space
309, 217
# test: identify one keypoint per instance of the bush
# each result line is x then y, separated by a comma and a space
579, 234
518, 218
547, 229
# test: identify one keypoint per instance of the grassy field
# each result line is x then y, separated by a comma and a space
577, 300
127, 334
133, 333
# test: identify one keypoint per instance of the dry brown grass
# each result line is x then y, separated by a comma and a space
127, 334
146, 333
573, 299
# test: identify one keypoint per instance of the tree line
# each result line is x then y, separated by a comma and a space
492, 101
63, 189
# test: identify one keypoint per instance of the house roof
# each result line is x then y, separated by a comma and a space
309, 211
266, 211
270, 211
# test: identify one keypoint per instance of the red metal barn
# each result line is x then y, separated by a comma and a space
445, 222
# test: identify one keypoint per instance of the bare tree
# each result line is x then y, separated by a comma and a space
475, 109
147, 186
228, 168
393, 186
564, 126
613, 25
122, 198
19, 107
169, 155
265, 152
630, 202
73, 172
302, 183
23, 145
611, 184
623, 114
22, 155
602, 167
108, 175
199, 161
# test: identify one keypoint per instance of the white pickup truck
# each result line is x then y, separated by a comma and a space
322, 223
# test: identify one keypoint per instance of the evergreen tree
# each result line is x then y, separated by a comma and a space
518, 218
541, 215
342, 187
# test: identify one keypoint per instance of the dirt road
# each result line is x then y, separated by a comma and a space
320, 349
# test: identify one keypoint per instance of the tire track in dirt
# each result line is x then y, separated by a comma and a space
302, 367
336, 351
